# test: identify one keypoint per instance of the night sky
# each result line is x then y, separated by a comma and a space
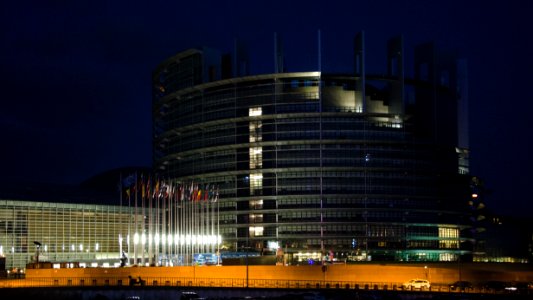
75, 75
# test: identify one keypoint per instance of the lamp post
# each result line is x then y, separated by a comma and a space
246, 248
37, 251
246, 267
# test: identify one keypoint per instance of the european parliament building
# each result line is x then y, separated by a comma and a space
353, 167
317, 166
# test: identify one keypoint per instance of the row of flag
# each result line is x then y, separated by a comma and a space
146, 187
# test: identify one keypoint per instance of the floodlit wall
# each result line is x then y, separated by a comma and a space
264, 275
65, 232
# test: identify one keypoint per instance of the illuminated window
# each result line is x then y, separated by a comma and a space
447, 257
256, 218
256, 157
256, 134
448, 238
255, 111
256, 231
256, 204
256, 183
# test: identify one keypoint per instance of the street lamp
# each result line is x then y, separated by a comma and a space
37, 251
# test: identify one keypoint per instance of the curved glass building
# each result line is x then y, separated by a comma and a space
323, 166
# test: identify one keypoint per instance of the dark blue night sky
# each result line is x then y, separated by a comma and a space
75, 75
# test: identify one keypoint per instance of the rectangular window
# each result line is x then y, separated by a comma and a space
448, 238
256, 231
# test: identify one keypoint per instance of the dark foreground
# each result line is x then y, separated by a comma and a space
168, 293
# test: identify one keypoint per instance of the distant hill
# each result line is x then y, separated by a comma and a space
100, 189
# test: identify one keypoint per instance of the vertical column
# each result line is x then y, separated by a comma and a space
256, 176
359, 66
395, 66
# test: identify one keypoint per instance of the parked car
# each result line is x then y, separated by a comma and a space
461, 285
519, 287
416, 284
493, 285
188, 295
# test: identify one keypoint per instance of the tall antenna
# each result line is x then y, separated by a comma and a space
359, 66
278, 54
319, 53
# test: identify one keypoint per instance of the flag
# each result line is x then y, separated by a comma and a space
216, 195
156, 189
178, 192
191, 191
143, 187
195, 195
128, 183
199, 195
148, 186
206, 193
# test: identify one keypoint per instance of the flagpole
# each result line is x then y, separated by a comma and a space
143, 226
135, 223
150, 224
218, 225
129, 225
157, 216
120, 218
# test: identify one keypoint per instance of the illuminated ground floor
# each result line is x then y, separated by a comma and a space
105, 235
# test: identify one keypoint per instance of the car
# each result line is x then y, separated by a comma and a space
416, 284
519, 287
493, 285
187, 295
461, 285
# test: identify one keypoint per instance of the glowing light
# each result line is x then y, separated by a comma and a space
474, 195
97, 247
136, 239
256, 176
255, 111
272, 245
143, 239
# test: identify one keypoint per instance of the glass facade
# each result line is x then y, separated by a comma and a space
310, 162
74, 233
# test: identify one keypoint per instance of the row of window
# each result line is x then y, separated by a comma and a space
271, 119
